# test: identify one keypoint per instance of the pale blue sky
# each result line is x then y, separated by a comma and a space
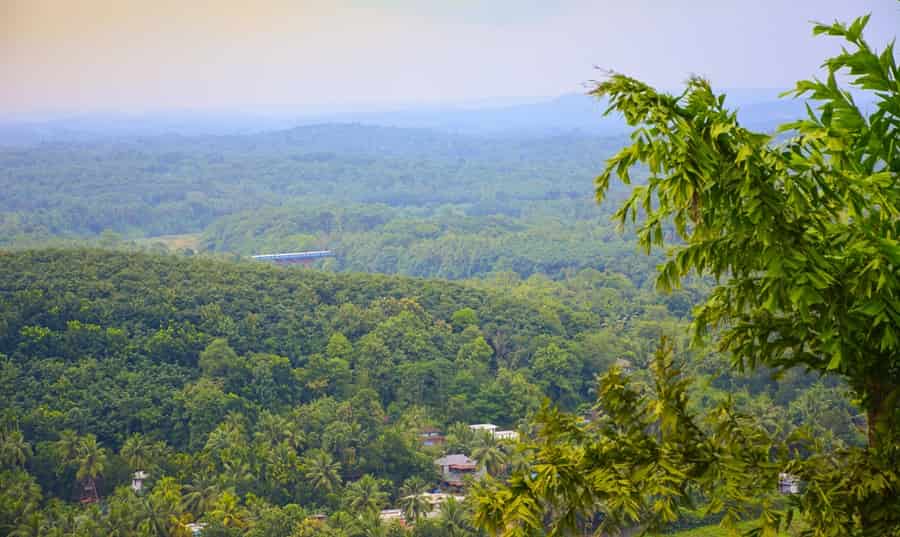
90, 55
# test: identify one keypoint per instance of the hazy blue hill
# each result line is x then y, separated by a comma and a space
563, 114
571, 113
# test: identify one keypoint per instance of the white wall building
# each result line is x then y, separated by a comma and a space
493, 429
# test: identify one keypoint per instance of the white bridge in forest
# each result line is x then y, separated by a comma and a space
293, 258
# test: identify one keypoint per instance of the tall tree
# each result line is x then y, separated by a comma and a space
369, 524
91, 462
802, 238
140, 452
65, 448
456, 518
490, 453
201, 494
228, 511
14, 450
322, 470
32, 525
364, 494
412, 499
804, 234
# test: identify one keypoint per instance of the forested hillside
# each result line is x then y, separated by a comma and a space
258, 395
177, 184
552, 237
408, 201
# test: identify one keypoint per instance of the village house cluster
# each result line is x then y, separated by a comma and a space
455, 468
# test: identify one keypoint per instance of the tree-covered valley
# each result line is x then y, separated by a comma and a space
240, 382
408, 201
507, 341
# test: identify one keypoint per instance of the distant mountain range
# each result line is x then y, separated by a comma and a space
760, 109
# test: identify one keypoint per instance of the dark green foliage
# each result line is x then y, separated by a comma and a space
290, 385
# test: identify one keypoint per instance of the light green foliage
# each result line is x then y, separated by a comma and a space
14, 450
464, 317
801, 237
20, 498
278, 386
644, 462
365, 494
219, 360
476, 351
142, 453
803, 233
556, 370
412, 499
322, 471
339, 347
490, 453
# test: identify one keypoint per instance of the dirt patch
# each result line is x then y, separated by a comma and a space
176, 242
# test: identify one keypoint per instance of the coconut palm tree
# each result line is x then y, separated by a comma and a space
14, 450
369, 524
518, 460
280, 462
490, 454
455, 519
91, 461
322, 470
140, 452
236, 473
460, 438
60, 519
272, 429
412, 499
229, 511
365, 494
31, 525
66, 448
156, 517
200, 494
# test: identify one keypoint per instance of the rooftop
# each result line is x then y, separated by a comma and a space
483, 427
456, 459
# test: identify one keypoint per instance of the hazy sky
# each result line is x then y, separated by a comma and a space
89, 55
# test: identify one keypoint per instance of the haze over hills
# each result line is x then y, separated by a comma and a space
520, 117
489, 309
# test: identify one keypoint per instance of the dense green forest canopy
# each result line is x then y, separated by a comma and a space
407, 201
259, 398
254, 392
175, 184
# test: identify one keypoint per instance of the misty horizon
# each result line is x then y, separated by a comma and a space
383, 55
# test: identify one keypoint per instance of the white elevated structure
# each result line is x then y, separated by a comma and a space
506, 435
196, 528
388, 515
137, 480
498, 434
294, 257
490, 427
788, 483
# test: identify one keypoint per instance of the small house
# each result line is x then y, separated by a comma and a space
455, 468
494, 431
431, 437
788, 483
